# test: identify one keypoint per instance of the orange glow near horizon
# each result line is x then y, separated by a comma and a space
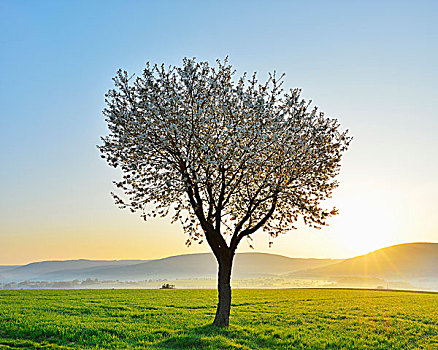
368, 223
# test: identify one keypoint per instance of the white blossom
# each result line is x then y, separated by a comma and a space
224, 156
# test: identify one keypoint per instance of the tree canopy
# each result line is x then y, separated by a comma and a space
224, 155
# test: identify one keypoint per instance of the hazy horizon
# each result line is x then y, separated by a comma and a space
371, 65
162, 257
405, 266
209, 252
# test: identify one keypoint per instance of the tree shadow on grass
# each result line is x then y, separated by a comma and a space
195, 338
182, 341
210, 337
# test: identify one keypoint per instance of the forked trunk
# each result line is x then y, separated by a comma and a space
224, 292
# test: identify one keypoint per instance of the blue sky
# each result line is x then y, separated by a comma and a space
371, 64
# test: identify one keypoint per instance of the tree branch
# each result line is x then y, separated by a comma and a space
237, 238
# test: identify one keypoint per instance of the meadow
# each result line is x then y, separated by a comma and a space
180, 319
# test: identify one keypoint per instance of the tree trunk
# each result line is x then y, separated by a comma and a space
224, 291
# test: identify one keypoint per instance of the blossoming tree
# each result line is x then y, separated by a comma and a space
224, 156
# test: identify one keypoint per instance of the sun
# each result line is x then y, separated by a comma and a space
367, 222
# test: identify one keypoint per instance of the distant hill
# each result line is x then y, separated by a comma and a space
33, 270
246, 265
409, 266
7, 267
189, 266
399, 262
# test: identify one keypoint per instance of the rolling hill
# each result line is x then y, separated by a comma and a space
189, 266
246, 265
408, 266
33, 270
399, 262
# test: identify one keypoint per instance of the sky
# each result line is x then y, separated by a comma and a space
370, 64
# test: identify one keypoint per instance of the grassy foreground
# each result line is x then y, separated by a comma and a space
260, 319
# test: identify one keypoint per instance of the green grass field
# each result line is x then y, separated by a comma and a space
260, 319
